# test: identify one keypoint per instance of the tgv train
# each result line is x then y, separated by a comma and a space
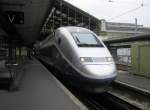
81, 56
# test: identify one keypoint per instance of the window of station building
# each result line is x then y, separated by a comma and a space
86, 40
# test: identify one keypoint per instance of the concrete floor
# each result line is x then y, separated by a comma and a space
38, 90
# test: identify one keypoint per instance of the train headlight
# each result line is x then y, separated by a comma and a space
82, 59
86, 59
109, 59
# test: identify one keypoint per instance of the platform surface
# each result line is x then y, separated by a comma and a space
38, 90
130, 79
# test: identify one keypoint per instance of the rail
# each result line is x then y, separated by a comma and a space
134, 96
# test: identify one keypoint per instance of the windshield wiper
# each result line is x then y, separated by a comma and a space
89, 45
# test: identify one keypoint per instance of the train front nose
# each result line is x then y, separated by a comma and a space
100, 71
98, 77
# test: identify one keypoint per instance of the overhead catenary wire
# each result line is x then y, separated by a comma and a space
122, 14
129, 11
122, 2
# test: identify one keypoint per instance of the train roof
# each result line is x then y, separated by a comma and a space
75, 29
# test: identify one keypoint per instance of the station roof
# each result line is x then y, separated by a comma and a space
26, 19
23, 19
65, 14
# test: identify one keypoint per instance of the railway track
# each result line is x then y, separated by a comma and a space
134, 96
115, 99
103, 101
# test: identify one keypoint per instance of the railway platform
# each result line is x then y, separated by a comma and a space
138, 83
38, 90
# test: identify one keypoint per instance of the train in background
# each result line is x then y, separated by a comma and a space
82, 57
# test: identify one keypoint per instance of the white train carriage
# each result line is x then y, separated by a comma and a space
81, 57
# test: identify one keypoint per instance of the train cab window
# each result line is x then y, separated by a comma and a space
86, 40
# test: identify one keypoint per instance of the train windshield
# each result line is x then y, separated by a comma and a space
86, 40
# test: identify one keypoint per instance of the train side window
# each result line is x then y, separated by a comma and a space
59, 41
